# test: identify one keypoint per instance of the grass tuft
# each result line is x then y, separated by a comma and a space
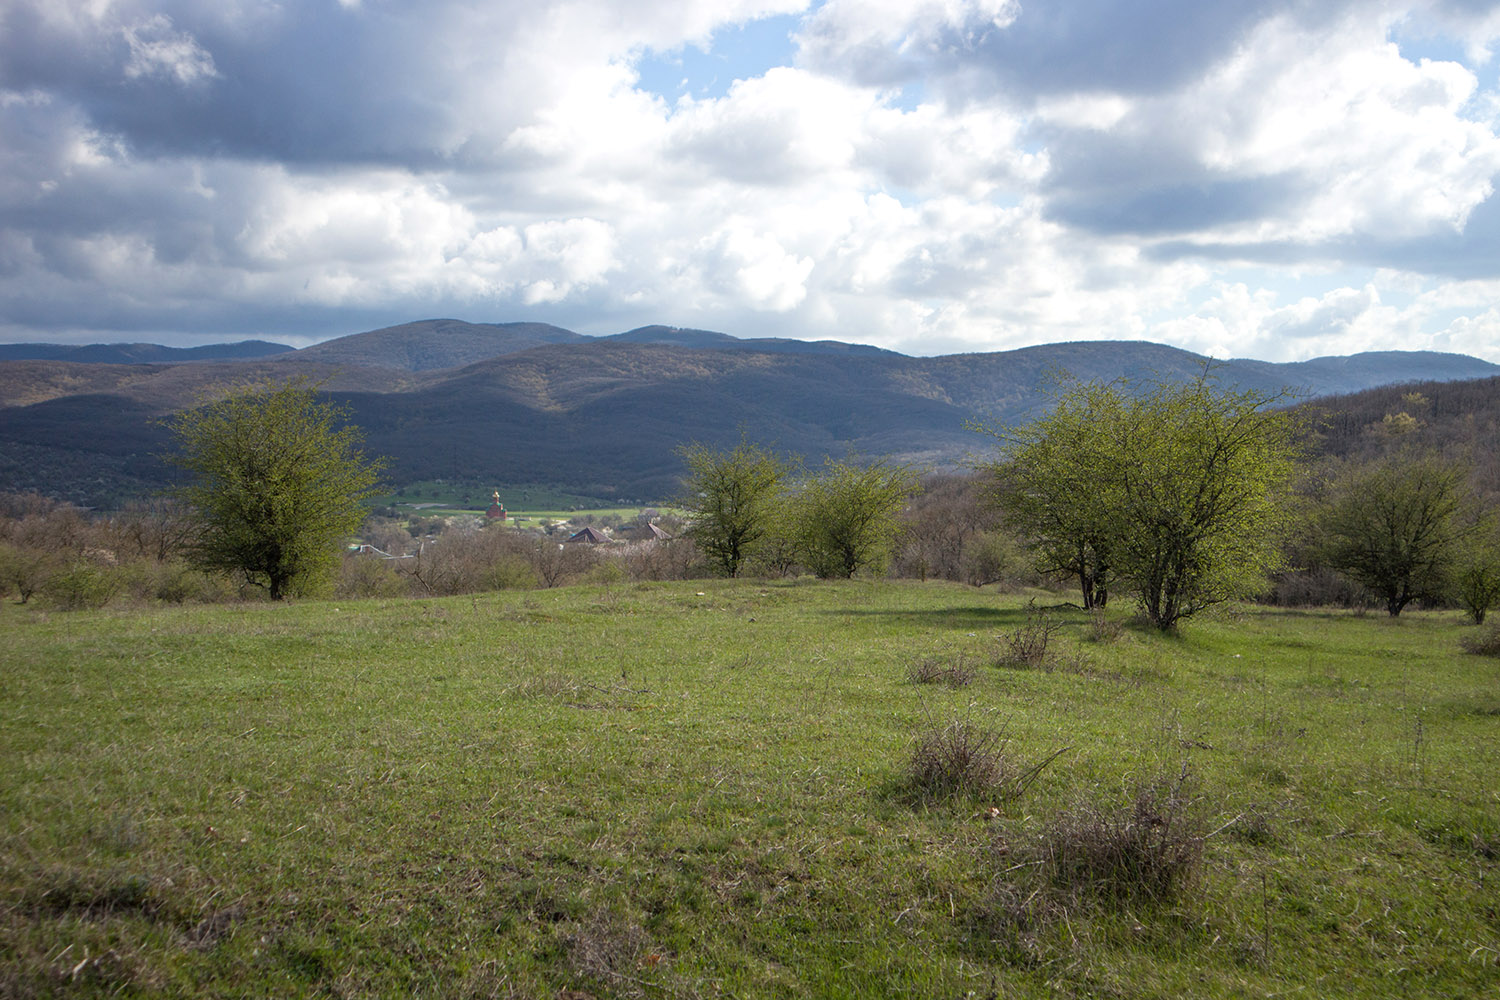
1027, 645
961, 758
1144, 852
932, 670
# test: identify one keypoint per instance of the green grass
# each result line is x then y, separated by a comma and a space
469, 495
531, 517
701, 789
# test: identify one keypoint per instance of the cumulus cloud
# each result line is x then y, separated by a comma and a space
928, 175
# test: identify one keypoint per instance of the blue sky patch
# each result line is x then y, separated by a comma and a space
739, 52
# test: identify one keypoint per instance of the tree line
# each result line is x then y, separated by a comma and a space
1182, 495
1178, 495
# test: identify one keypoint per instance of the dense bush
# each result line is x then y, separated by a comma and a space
1485, 643
82, 585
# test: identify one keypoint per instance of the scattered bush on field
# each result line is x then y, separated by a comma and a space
81, 586
1026, 646
1103, 628
964, 758
1147, 851
955, 673
613, 952
1486, 643
961, 758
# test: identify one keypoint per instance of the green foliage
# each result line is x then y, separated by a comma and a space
848, 517
24, 570
81, 586
1049, 486
1476, 583
276, 484
1179, 490
730, 499
1395, 527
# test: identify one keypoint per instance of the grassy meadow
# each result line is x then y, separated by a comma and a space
706, 789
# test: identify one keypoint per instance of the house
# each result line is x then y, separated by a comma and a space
590, 535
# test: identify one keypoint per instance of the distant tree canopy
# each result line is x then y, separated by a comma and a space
1177, 489
275, 485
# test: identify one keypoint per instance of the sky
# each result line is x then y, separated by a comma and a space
1274, 179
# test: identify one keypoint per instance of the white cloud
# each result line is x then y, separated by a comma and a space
1384, 145
498, 160
157, 50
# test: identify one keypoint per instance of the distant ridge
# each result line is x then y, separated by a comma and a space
434, 344
603, 416
709, 340
141, 354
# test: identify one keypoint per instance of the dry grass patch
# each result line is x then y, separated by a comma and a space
1144, 852
1026, 646
933, 670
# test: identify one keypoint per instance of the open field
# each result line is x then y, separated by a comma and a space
703, 789
532, 517
468, 496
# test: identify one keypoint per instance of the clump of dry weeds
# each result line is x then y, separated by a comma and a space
956, 673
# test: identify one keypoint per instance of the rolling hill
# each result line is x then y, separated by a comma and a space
140, 354
602, 416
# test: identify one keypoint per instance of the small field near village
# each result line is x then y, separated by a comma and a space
745, 789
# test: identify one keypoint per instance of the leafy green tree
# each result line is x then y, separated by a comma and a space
730, 498
1178, 490
275, 483
1476, 583
1049, 487
848, 516
1395, 526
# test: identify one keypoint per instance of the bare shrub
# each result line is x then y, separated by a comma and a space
963, 758
469, 560
178, 583
954, 673
1027, 646
960, 758
675, 559
1485, 643
1146, 851
1104, 629
1318, 587
157, 529
557, 564
362, 575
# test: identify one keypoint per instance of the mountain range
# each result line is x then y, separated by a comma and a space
603, 416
